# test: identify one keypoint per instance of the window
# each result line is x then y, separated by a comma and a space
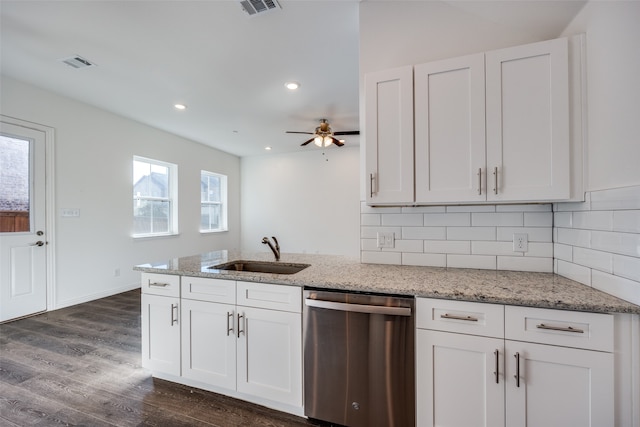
154, 198
213, 202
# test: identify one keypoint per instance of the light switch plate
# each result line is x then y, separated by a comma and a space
386, 240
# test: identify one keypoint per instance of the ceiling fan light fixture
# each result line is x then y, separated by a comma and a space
318, 141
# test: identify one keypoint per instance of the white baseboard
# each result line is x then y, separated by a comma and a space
92, 297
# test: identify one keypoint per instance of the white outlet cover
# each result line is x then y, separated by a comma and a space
520, 242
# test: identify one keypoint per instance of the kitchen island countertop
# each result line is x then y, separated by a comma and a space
543, 290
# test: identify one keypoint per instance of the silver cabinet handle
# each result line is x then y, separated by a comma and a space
453, 316
495, 180
480, 181
560, 328
497, 372
158, 285
517, 375
174, 318
240, 331
229, 322
359, 308
370, 185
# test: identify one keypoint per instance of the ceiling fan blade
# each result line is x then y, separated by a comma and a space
306, 142
337, 142
307, 133
348, 132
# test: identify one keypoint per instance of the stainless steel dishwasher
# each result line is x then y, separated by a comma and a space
359, 359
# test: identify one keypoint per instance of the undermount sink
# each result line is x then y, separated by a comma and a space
261, 267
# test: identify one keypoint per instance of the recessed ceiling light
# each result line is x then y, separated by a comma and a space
180, 106
267, 148
292, 85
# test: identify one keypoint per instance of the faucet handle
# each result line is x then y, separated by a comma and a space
276, 241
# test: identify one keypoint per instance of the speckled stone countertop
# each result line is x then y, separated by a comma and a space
543, 290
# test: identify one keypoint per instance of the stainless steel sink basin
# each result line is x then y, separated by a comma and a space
261, 267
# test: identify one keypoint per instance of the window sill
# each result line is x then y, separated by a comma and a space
153, 236
214, 231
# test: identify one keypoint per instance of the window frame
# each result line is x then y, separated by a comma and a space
223, 202
172, 197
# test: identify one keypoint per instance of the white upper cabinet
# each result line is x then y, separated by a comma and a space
450, 130
527, 98
389, 130
490, 127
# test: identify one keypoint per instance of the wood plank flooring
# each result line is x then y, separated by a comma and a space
80, 366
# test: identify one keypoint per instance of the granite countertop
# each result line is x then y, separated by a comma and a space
544, 290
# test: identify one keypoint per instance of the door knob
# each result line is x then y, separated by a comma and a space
39, 232
38, 243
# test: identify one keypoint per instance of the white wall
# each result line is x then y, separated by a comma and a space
93, 172
613, 91
308, 200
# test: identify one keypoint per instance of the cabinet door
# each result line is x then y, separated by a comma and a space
209, 343
389, 136
450, 130
528, 147
270, 355
558, 386
460, 380
161, 334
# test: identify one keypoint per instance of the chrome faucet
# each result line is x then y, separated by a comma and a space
276, 249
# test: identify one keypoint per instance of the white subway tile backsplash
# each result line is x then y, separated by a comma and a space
562, 219
471, 208
538, 219
626, 266
372, 232
494, 248
619, 243
471, 233
424, 233
573, 237
447, 247
534, 234
626, 221
406, 246
602, 261
593, 220
370, 219
381, 257
574, 206
574, 272
484, 262
563, 252
542, 265
447, 219
413, 219
540, 250
505, 219
369, 245
622, 288
423, 209
426, 260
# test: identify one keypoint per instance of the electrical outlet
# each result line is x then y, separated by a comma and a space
386, 240
520, 242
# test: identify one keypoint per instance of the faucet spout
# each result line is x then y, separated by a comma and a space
275, 249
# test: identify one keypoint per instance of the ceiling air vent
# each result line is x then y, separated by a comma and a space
78, 61
254, 7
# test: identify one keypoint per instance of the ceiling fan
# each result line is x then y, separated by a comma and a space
324, 136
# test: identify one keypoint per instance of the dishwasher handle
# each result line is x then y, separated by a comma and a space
359, 308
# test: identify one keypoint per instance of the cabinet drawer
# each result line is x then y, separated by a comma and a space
276, 297
160, 284
212, 290
592, 331
460, 316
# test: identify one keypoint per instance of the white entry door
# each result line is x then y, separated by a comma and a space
23, 237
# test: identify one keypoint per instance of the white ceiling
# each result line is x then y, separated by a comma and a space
227, 67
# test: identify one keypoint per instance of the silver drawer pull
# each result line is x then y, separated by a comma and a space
158, 285
560, 328
453, 316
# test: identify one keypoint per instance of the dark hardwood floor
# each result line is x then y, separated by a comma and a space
80, 366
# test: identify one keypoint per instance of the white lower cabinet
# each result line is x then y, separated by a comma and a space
160, 323
252, 350
546, 368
